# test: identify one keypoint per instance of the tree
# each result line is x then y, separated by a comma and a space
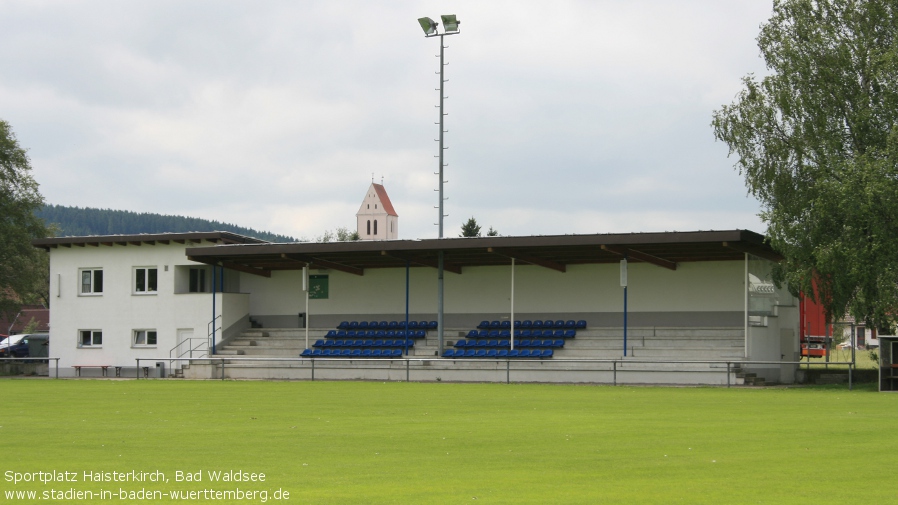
817, 142
341, 234
22, 266
470, 228
492, 232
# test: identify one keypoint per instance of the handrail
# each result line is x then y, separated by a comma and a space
190, 349
613, 361
36, 359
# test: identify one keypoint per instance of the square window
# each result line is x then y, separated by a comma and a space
197, 281
90, 338
145, 280
144, 338
91, 281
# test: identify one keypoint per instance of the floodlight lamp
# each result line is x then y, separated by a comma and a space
428, 25
450, 23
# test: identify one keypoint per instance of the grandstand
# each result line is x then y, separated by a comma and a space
544, 308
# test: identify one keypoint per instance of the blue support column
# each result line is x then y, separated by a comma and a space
406, 305
214, 289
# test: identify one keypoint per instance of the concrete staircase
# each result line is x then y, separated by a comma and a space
705, 344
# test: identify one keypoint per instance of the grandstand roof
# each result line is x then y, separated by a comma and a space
665, 249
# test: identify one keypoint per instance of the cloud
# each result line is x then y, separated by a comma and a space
574, 117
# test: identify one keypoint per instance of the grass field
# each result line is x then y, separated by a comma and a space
409, 443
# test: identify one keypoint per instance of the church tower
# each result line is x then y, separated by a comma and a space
377, 220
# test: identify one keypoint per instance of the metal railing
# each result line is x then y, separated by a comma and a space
56, 360
730, 365
202, 346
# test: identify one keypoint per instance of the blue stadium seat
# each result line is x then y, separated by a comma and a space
423, 325
461, 343
420, 334
537, 324
343, 333
547, 353
518, 333
353, 325
401, 334
517, 324
569, 325
472, 334
495, 325
432, 325
559, 342
481, 353
526, 324
503, 343
344, 325
391, 334
380, 334
483, 334
397, 353
383, 325
394, 325
413, 325
559, 324
540, 333
570, 333
449, 353
503, 353
317, 353
548, 323
388, 342
483, 343
356, 353
536, 343
331, 333
524, 342
493, 344
410, 343
505, 334
526, 334
375, 353
505, 324
363, 325
305, 353
483, 325
346, 352
581, 324
493, 334
366, 353
558, 334
514, 353
524, 353
378, 343
492, 353
318, 343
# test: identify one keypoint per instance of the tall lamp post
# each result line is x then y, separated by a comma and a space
450, 27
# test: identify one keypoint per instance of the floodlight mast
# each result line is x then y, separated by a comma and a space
450, 27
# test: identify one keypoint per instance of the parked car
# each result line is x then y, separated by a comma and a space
9, 347
23, 346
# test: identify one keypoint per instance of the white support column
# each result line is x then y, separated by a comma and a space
512, 304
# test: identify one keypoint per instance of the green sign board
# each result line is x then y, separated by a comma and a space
318, 287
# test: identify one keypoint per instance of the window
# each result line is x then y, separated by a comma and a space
375, 226
145, 280
375, 205
144, 338
90, 338
197, 282
91, 281
369, 227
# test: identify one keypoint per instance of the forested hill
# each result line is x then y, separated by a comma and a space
74, 221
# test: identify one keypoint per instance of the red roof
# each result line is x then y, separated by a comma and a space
384, 199
40, 314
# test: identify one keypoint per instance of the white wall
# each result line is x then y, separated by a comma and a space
117, 312
698, 286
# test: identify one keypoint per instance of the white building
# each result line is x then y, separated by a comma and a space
376, 218
118, 298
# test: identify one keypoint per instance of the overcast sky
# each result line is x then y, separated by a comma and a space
564, 117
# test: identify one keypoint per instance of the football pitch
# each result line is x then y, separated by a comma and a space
126, 441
